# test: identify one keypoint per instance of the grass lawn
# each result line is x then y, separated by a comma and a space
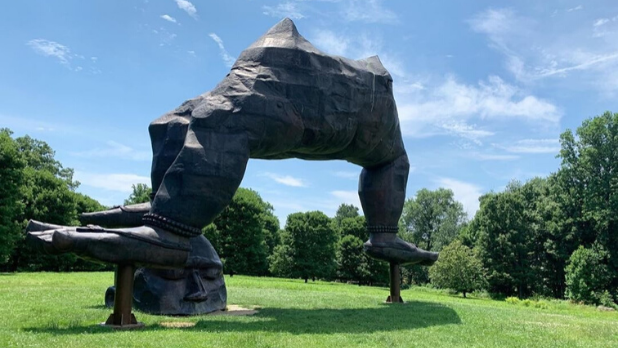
62, 310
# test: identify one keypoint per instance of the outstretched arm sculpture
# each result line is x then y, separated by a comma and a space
283, 98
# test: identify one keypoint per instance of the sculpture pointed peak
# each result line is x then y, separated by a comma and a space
285, 27
285, 35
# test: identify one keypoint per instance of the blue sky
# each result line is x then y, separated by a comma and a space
483, 88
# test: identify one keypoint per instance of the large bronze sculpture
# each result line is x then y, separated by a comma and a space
283, 98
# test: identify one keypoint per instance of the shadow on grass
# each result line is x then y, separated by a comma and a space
412, 315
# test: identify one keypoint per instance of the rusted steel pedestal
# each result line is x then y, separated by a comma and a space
395, 296
122, 318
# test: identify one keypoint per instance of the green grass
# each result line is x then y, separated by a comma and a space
62, 310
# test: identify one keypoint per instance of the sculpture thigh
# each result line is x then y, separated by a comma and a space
203, 172
195, 173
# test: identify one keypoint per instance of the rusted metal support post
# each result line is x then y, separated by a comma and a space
395, 296
122, 317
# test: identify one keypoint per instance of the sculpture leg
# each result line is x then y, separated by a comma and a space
203, 178
382, 192
167, 135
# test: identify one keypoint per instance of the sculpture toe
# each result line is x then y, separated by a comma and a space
122, 216
144, 245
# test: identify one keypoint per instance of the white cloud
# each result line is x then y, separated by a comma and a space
466, 193
490, 157
359, 46
330, 42
286, 9
59, 52
286, 180
169, 18
447, 108
51, 49
348, 197
112, 182
556, 49
576, 8
165, 37
368, 11
117, 150
532, 146
347, 175
227, 59
600, 22
187, 7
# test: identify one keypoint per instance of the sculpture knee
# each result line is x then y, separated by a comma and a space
382, 191
167, 135
203, 178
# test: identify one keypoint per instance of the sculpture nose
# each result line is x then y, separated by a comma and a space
195, 288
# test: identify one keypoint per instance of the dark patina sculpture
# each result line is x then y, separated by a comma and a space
283, 98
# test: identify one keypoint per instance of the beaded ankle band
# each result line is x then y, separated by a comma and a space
171, 225
382, 229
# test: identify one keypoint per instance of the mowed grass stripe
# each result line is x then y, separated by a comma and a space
62, 310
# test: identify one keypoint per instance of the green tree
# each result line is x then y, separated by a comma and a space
505, 246
351, 260
588, 180
270, 227
307, 249
433, 218
354, 226
587, 275
141, 194
11, 180
239, 234
343, 212
430, 220
458, 268
46, 194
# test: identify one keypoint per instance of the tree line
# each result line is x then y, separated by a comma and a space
555, 236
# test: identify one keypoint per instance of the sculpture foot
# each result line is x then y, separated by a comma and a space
121, 216
389, 247
145, 245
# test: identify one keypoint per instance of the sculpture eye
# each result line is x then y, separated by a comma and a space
210, 273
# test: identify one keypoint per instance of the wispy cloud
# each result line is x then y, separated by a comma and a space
287, 180
490, 157
330, 42
286, 9
576, 8
188, 7
165, 36
535, 49
347, 175
361, 45
449, 108
63, 55
112, 182
532, 146
169, 18
368, 11
348, 197
51, 49
227, 59
466, 193
116, 150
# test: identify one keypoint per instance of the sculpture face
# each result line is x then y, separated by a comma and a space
188, 291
